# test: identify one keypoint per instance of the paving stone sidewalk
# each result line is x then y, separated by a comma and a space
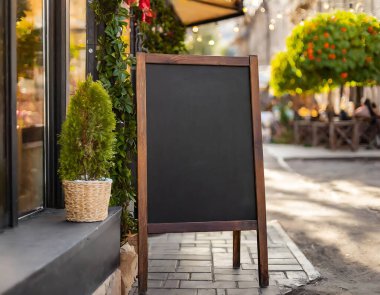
201, 264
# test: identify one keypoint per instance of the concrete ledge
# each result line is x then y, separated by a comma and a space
47, 255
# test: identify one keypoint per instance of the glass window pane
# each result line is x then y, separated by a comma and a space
30, 104
2, 119
77, 42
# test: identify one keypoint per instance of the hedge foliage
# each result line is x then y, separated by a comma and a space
329, 50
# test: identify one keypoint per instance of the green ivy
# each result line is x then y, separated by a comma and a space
165, 33
113, 67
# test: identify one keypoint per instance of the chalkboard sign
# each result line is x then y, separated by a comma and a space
200, 165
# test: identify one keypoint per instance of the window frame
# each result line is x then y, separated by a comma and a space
56, 58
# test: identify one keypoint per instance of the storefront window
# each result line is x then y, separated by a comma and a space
2, 119
77, 42
30, 104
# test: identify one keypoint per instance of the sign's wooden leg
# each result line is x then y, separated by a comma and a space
143, 261
236, 249
262, 252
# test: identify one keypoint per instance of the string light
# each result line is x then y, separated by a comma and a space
211, 42
271, 27
326, 6
195, 29
199, 39
236, 29
245, 9
279, 15
262, 9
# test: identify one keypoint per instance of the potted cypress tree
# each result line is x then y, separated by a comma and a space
87, 142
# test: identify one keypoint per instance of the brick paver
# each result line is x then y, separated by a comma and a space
201, 264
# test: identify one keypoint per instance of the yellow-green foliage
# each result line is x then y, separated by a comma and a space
329, 50
87, 137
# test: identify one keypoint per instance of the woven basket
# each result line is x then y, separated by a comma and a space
87, 201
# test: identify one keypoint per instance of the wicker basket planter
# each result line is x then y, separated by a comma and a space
87, 201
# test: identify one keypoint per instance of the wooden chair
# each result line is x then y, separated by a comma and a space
344, 133
367, 131
320, 133
302, 132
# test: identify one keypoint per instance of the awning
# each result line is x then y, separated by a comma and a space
197, 12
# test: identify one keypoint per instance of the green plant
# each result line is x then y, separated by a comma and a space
164, 33
329, 50
114, 65
87, 137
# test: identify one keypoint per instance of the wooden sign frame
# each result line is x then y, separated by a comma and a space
236, 226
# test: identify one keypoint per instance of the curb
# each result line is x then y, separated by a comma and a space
311, 272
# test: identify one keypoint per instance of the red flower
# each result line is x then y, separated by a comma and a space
147, 13
343, 29
326, 34
344, 51
344, 59
332, 46
311, 57
326, 45
332, 56
368, 59
344, 75
319, 51
310, 45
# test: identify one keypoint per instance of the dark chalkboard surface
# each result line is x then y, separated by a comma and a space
199, 143
200, 162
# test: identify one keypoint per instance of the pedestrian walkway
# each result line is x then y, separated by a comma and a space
201, 264
291, 151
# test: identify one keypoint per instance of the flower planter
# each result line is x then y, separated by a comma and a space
87, 201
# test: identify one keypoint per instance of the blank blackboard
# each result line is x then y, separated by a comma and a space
199, 143
200, 162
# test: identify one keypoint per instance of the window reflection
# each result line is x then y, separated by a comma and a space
77, 42
30, 103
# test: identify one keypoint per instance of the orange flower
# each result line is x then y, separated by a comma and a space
332, 56
310, 50
311, 56
326, 45
370, 29
344, 59
332, 46
310, 45
319, 51
344, 51
344, 75
368, 59
319, 59
315, 38
343, 29
326, 34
